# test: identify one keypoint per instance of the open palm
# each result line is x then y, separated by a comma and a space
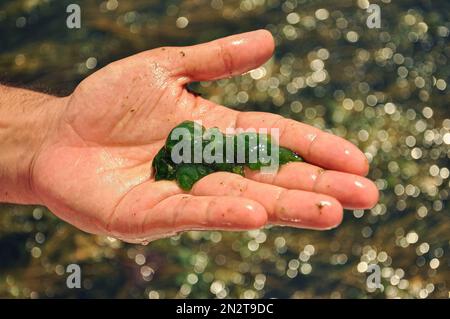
94, 170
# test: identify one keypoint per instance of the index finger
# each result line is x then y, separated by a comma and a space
314, 145
227, 56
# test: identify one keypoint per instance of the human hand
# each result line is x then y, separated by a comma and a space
93, 168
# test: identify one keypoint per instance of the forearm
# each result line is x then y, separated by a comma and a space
25, 118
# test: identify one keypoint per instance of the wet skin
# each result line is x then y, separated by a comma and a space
94, 169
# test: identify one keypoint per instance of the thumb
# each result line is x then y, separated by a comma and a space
225, 57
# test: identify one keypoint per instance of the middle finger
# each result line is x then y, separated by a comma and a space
286, 207
353, 191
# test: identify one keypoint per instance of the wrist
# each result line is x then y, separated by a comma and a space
26, 119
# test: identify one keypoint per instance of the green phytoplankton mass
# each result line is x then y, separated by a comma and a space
212, 141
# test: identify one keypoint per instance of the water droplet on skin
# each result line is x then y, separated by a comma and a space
147, 240
324, 203
328, 228
359, 184
290, 219
237, 42
315, 176
311, 137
